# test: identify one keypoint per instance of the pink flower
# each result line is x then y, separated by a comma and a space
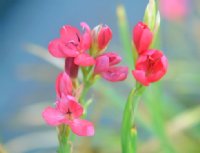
73, 44
142, 37
68, 111
103, 35
63, 85
173, 9
150, 67
105, 66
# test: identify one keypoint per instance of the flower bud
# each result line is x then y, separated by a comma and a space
106, 67
142, 37
63, 85
150, 14
102, 35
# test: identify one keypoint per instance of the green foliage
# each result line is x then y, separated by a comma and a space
125, 36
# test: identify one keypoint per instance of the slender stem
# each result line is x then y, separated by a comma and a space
84, 92
84, 72
88, 80
129, 131
63, 137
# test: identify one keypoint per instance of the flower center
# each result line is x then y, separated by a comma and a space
151, 64
68, 115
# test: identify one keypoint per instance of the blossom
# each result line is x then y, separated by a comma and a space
173, 9
105, 66
73, 44
142, 37
68, 111
102, 35
150, 67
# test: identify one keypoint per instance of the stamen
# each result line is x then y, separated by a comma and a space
69, 115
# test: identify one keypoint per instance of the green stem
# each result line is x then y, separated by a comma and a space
63, 137
129, 132
84, 92
88, 81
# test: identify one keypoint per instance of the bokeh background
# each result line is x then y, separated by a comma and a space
168, 117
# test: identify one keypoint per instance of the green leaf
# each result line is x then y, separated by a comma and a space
44, 54
125, 35
153, 100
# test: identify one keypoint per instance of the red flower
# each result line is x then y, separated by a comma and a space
150, 67
68, 111
105, 66
73, 44
142, 37
102, 35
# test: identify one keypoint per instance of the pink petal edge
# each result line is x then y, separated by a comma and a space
52, 116
82, 127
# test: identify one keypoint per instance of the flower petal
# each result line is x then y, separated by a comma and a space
160, 69
164, 61
70, 50
52, 116
55, 48
58, 49
104, 36
140, 77
69, 104
87, 39
145, 40
84, 60
70, 34
75, 107
63, 85
115, 74
137, 31
102, 64
114, 58
82, 127
142, 37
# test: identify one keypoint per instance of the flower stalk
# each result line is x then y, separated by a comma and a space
150, 66
85, 51
129, 130
65, 145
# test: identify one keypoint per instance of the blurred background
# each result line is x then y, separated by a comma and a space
168, 117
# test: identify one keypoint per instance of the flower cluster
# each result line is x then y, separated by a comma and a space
80, 50
73, 46
151, 64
